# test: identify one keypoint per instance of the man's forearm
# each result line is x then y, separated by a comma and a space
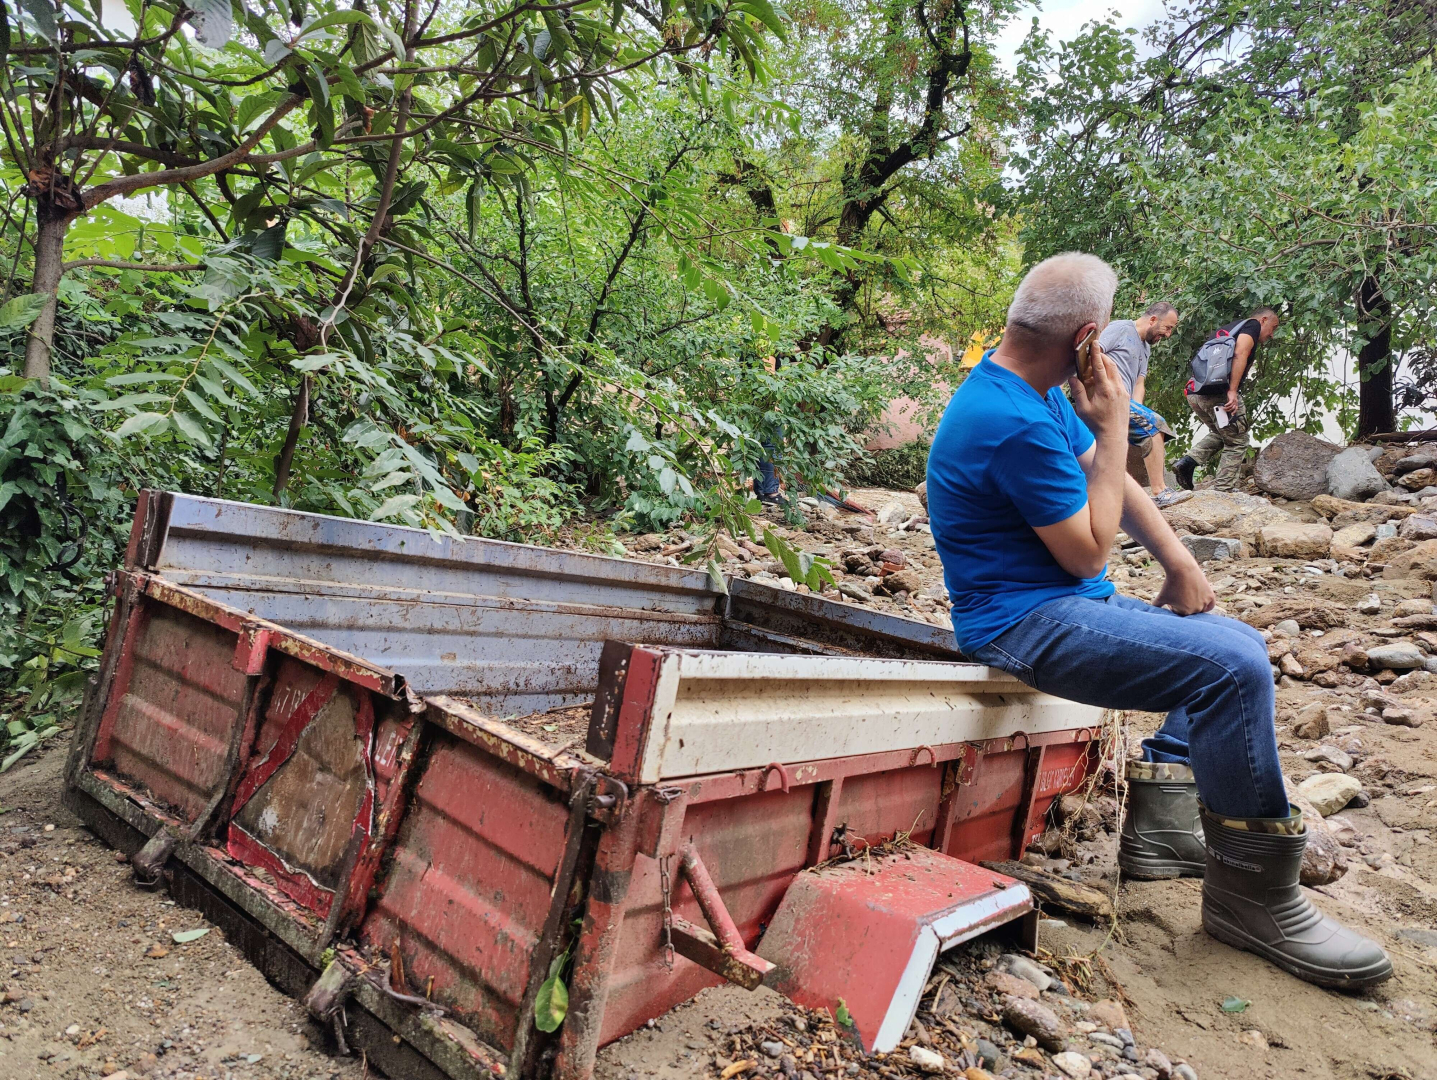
1145, 524
1107, 492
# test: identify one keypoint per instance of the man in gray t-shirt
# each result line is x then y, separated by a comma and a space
1129, 343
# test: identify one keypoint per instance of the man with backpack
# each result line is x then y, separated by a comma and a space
1214, 394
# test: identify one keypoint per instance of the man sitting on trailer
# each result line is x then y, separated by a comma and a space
1026, 492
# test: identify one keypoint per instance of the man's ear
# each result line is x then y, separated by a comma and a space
1083, 331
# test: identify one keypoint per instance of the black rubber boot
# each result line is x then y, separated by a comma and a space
1183, 469
1251, 900
1162, 833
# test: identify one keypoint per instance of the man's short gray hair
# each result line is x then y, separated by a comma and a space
1062, 293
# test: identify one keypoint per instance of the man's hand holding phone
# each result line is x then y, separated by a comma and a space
1099, 397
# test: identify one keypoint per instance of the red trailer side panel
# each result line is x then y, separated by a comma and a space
174, 708
469, 884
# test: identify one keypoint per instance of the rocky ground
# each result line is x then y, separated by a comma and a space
97, 983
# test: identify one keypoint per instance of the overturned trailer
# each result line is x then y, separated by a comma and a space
413, 778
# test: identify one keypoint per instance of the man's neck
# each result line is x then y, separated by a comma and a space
1144, 325
1042, 369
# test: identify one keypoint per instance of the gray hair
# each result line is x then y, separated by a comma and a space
1062, 293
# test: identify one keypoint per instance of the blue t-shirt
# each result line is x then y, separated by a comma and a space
1005, 461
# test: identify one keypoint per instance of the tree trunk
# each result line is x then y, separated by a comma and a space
298, 419
1374, 362
51, 226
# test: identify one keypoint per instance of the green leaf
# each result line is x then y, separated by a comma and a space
335, 18
191, 429
42, 14
1235, 1004
716, 578
234, 375
841, 1015
184, 937
395, 504
135, 378
214, 22
201, 406
22, 311
145, 421
551, 1004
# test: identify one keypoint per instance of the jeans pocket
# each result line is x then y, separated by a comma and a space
999, 658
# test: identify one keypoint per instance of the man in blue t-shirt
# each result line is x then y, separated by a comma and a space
1026, 492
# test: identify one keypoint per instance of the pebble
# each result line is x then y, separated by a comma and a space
1403, 656
1024, 968
1288, 627
1156, 1060
1332, 755
1183, 1071
1253, 1038
987, 1054
1107, 1040
1073, 1064
1002, 982
772, 1049
1109, 1013
929, 1061
1030, 1018
1371, 604
1329, 792
1401, 716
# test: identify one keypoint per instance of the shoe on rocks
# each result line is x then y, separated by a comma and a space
1251, 900
1168, 497
1183, 469
1162, 833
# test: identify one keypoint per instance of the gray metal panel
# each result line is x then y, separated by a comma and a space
843, 626
512, 627
219, 537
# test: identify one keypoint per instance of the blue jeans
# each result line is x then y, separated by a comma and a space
1210, 674
766, 483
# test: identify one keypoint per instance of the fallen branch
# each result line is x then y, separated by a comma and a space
1057, 892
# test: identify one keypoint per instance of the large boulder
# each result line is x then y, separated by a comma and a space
1294, 465
1351, 475
1416, 562
1295, 540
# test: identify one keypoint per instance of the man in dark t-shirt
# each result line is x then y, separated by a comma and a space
1224, 414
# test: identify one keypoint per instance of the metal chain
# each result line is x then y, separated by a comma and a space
664, 884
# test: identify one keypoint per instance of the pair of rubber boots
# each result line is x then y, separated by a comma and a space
1251, 898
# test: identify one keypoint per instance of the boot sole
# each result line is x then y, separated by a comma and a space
1328, 980
1159, 870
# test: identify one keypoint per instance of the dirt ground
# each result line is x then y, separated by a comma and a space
95, 983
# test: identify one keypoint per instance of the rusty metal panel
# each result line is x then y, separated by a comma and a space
309, 790
516, 628
174, 708
719, 711
468, 885
752, 847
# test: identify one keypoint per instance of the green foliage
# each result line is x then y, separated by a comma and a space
478, 269
1252, 154
902, 467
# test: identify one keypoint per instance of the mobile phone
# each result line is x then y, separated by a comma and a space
1085, 355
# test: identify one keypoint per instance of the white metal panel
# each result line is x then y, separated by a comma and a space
718, 711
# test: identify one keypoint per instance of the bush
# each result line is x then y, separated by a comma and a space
901, 467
